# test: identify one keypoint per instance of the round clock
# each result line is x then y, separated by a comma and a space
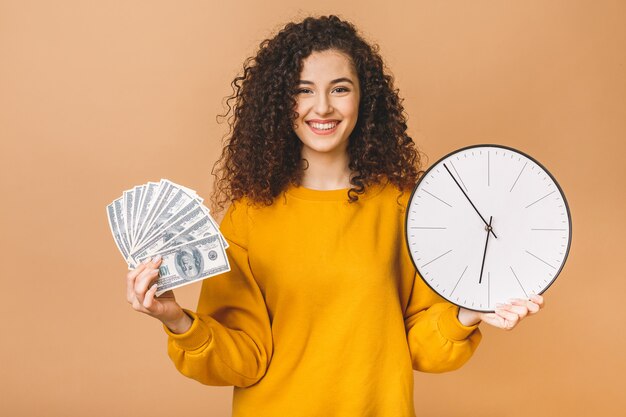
488, 223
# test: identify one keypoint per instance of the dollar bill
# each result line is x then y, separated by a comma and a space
118, 210
216, 226
147, 200
164, 189
202, 228
184, 217
160, 239
156, 217
191, 262
138, 191
129, 197
174, 203
117, 235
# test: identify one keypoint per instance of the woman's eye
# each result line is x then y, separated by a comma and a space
303, 90
341, 89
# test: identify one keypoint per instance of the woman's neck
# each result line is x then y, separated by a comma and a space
326, 171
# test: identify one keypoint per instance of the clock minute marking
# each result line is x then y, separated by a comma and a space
459, 280
458, 175
517, 279
536, 201
536, 257
429, 262
520, 174
488, 171
432, 195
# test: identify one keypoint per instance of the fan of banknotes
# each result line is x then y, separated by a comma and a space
167, 219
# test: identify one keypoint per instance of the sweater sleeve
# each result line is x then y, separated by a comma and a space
230, 340
438, 342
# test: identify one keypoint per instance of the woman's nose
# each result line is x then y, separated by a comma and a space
323, 104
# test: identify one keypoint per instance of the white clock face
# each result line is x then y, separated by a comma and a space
456, 202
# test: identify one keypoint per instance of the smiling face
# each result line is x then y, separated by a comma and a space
327, 103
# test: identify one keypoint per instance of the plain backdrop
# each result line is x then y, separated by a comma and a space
99, 96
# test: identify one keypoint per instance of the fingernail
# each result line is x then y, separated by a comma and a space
145, 261
156, 258
499, 305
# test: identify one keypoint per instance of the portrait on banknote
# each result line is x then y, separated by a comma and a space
189, 263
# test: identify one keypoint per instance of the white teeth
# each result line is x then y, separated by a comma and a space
324, 126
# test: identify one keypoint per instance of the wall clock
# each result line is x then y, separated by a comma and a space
488, 223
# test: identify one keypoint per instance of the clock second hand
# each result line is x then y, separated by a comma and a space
468, 199
485, 252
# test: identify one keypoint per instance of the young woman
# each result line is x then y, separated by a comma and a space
322, 313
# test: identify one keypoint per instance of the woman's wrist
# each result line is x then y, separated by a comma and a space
468, 317
181, 324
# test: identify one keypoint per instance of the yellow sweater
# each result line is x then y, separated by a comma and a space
322, 313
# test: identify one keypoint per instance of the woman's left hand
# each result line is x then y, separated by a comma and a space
506, 316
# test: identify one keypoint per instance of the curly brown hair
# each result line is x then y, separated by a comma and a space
262, 154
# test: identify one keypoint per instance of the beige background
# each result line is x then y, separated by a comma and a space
96, 97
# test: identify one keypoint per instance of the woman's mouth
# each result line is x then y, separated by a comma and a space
323, 128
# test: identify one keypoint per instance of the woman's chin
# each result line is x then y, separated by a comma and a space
322, 149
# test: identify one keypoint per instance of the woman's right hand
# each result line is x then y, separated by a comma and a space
140, 289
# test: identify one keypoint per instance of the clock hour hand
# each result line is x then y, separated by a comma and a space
485, 252
468, 199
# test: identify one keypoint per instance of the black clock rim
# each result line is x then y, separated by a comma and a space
406, 216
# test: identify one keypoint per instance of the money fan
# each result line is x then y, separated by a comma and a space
488, 223
167, 219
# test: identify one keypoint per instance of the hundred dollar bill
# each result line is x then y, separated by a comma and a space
191, 262
175, 221
202, 228
178, 201
117, 236
217, 227
118, 209
164, 189
147, 200
129, 198
183, 212
159, 239
138, 190
170, 202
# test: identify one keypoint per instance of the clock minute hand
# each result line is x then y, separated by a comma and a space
470, 201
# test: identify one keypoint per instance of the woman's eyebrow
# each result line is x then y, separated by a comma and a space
338, 80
